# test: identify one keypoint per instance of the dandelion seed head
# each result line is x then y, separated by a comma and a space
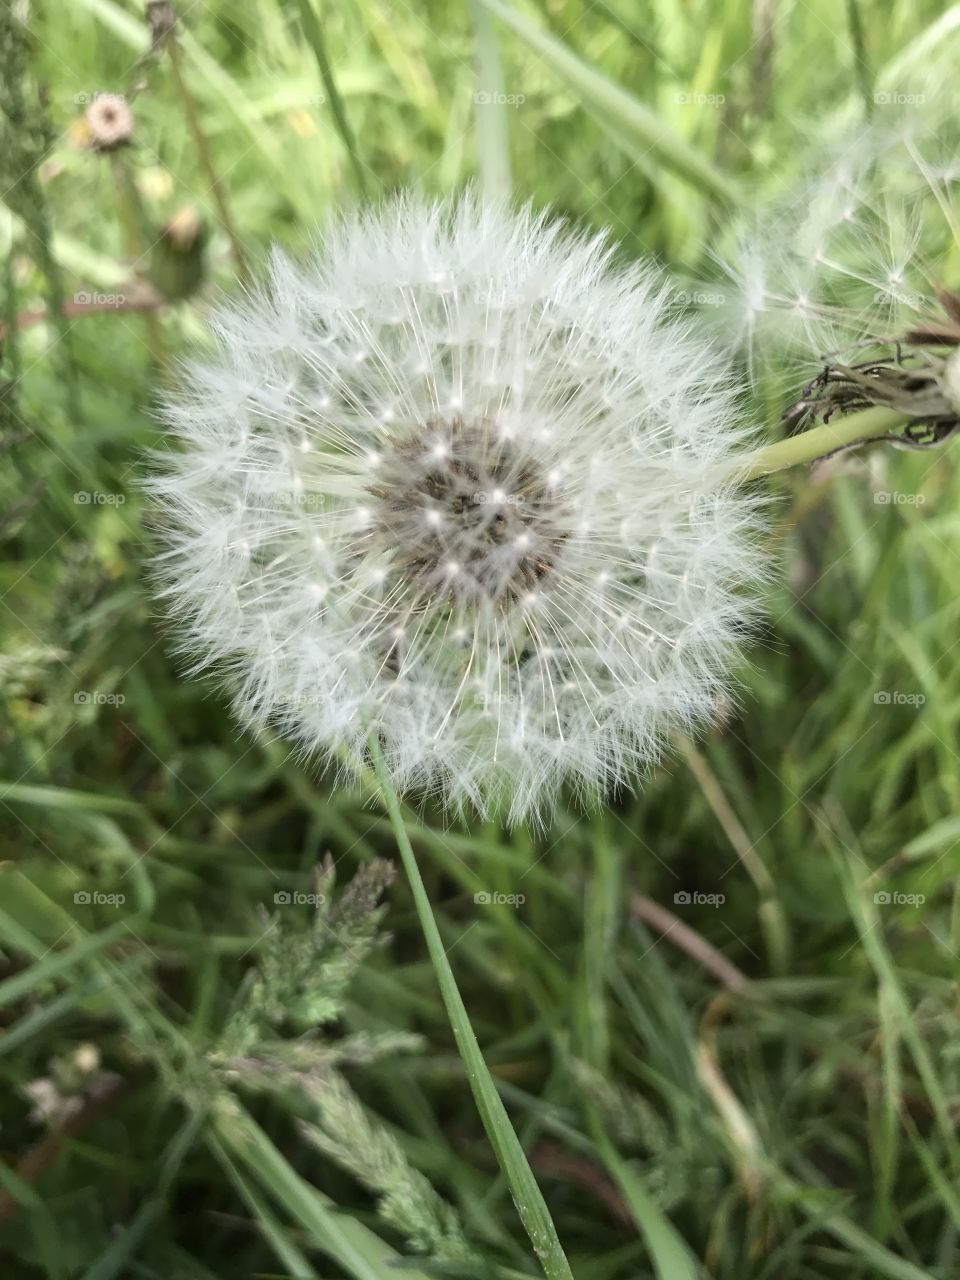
851, 255
504, 540
109, 122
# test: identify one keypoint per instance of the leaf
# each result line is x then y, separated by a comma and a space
630, 123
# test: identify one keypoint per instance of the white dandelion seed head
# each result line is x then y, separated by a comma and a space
458, 480
109, 121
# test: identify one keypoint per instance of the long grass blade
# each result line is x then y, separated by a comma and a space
527, 1195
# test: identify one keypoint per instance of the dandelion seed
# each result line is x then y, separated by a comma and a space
483, 597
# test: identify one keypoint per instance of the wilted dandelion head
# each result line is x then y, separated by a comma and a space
854, 253
457, 480
850, 283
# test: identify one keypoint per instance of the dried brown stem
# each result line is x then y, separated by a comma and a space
686, 939
145, 300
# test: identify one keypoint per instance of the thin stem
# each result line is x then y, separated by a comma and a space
680, 935
145, 300
859, 49
313, 30
770, 911
131, 219
205, 157
808, 446
9, 327
527, 1196
490, 101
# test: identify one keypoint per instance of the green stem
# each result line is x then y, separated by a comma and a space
493, 148
205, 156
861, 67
313, 30
132, 223
527, 1196
9, 328
808, 446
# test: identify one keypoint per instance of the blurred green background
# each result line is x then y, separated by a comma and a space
204, 1075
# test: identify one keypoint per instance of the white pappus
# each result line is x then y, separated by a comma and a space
459, 480
850, 258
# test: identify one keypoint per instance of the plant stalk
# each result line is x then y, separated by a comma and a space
205, 156
808, 446
493, 147
527, 1195
313, 30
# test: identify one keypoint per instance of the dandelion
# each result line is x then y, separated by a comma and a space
108, 122
460, 481
845, 284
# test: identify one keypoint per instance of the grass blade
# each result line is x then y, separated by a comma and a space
637, 126
669, 1254
362, 1253
527, 1195
296, 1264
314, 33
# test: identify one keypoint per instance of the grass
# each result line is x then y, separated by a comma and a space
762, 1083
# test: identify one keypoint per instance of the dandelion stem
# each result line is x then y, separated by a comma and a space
527, 1195
493, 148
808, 446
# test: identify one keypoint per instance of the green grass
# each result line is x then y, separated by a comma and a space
788, 1113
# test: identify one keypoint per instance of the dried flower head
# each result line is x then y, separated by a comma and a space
848, 276
109, 122
459, 481
161, 19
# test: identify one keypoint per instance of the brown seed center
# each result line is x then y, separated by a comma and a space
466, 514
